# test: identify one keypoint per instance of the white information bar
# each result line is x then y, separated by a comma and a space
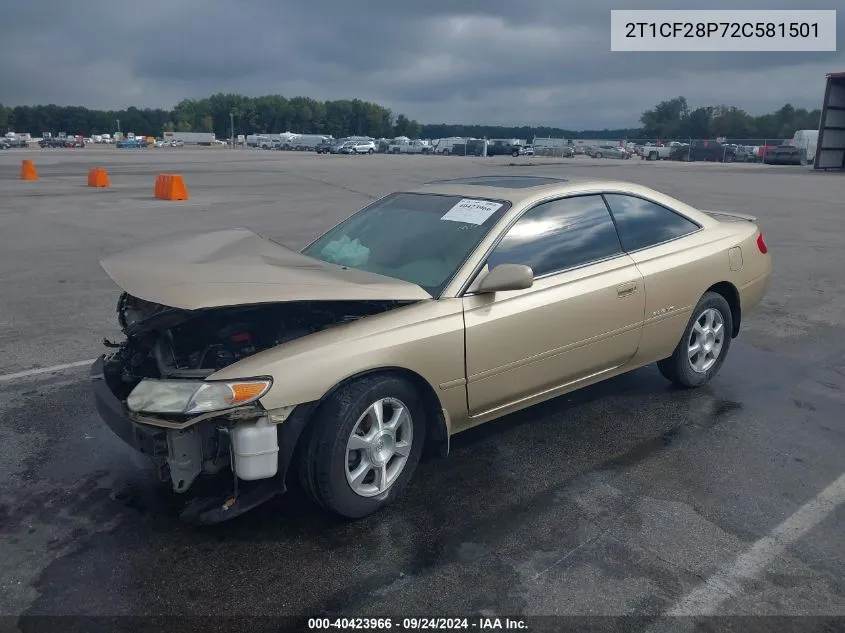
794, 31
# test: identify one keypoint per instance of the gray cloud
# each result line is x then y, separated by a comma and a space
485, 61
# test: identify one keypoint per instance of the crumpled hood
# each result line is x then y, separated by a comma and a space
238, 267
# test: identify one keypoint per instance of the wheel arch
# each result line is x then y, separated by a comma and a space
437, 426
731, 295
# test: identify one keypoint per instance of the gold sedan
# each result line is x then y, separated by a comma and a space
424, 314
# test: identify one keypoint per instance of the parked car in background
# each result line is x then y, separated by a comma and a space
739, 152
503, 148
325, 147
786, 155
129, 143
659, 152
679, 152
609, 151
341, 147
713, 151
425, 314
528, 150
362, 147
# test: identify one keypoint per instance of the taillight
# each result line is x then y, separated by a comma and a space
761, 244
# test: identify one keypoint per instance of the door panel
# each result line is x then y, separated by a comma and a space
675, 259
564, 328
675, 277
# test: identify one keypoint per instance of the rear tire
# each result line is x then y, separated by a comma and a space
327, 463
687, 369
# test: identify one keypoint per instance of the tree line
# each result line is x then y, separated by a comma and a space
673, 119
273, 114
251, 115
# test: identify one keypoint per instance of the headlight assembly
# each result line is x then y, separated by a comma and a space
194, 396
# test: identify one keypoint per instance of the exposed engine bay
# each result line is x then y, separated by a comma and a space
164, 343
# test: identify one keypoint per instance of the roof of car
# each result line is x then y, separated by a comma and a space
502, 187
503, 182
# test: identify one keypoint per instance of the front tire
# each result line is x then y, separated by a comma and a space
704, 345
366, 442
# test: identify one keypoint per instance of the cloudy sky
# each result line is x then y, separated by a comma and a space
461, 61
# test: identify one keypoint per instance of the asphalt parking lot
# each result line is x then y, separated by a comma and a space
629, 498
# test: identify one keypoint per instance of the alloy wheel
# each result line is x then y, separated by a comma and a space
706, 340
378, 447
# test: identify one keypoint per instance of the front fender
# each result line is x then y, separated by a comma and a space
426, 338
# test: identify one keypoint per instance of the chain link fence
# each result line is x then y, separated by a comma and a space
722, 149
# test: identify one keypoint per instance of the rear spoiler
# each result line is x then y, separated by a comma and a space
737, 216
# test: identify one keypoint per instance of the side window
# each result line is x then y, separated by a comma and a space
642, 223
558, 235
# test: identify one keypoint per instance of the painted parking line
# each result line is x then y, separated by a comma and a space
729, 582
45, 370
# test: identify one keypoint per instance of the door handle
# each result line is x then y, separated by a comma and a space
626, 290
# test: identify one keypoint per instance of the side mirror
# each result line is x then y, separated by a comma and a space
506, 277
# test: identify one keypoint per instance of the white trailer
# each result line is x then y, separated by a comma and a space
309, 142
190, 138
404, 145
444, 145
254, 140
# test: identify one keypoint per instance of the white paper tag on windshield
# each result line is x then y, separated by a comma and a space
472, 211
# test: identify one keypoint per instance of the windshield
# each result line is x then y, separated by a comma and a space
420, 238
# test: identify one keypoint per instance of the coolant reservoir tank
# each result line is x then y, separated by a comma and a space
255, 448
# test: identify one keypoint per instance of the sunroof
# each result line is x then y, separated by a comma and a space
505, 182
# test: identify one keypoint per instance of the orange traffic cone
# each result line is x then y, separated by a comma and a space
28, 171
98, 177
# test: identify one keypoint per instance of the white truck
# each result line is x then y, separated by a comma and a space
807, 141
404, 145
264, 141
658, 152
190, 138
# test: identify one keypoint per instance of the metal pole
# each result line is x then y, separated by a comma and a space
232, 127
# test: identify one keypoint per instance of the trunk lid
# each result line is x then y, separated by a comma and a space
724, 216
237, 267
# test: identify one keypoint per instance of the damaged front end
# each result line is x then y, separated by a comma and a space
153, 390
